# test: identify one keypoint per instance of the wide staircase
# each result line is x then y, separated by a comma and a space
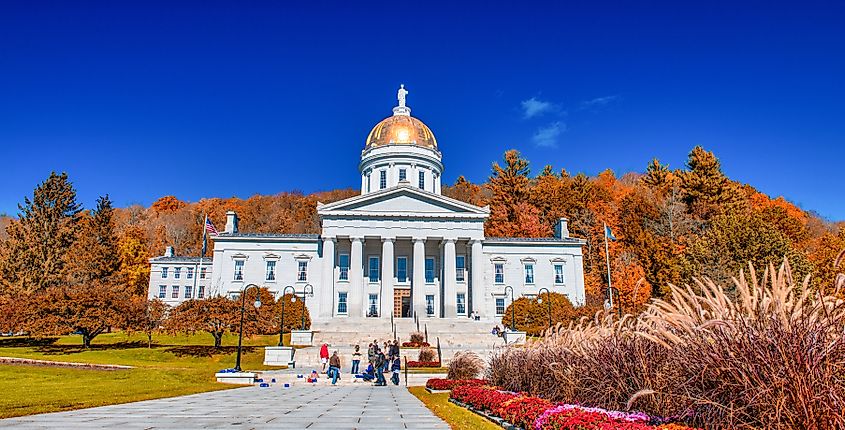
341, 335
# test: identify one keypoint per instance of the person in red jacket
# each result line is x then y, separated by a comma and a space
324, 356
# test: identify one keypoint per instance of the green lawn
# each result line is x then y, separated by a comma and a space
175, 365
457, 417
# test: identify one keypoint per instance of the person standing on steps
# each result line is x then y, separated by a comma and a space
334, 368
395, 368
324, 356
381, 364
356, 360
394, 349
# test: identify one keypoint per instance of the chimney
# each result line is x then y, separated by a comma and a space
562, 228
231, 222
168, 252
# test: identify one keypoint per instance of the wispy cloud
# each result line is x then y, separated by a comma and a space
547, 136
534, 107
599, 102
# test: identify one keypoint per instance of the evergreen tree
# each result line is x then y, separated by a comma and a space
95, 255
707, 191
36, 251
510, 188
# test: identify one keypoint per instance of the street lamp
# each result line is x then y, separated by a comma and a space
292, 300
304, 295
257, 305
548, 301
513, 311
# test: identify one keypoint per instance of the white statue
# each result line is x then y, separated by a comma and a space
401, 95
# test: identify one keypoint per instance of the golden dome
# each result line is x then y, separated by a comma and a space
401, 130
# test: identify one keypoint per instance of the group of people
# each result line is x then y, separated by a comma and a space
380, 360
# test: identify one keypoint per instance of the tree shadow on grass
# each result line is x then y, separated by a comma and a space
24, 342
206, 351
75, 349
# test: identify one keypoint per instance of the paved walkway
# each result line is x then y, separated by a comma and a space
299, 407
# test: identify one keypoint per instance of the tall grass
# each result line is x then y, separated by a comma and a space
772, 358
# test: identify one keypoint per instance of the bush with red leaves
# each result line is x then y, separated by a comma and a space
423, 364
414, 344
448, 384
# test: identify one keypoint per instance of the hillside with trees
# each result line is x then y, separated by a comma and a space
671, 225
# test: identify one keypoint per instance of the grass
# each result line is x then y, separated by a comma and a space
174, 366
457, 417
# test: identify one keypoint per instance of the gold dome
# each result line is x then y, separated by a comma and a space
401, 130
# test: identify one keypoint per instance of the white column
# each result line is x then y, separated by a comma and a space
449, 272
356, 278
477, 278
418, 287
327, 288
386, 277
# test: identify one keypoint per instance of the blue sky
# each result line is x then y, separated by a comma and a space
219, 99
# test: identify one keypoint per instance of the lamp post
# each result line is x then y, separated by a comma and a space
292, 300
257, 305
304, 295
548, 301
513, 311
609, 304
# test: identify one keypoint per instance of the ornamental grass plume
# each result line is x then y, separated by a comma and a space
427, 354
773, 357
465, 365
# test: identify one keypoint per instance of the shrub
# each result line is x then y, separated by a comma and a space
465, 365
533, 317
773, 358
417, 337
423, 364
427, 354
414, 344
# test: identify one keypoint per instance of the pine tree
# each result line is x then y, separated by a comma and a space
94, 255
36, 251
510, 188
707, 191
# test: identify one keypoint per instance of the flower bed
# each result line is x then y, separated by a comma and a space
414, 344
534, 413
441, 384
423, 364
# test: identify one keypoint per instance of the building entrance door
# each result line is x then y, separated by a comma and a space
402, 302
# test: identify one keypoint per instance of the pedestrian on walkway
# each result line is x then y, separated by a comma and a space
334, 368
394, 349
324, 357
356, 360
371, 353
381, 364
395, 368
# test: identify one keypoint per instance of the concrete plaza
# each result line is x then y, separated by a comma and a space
298, 407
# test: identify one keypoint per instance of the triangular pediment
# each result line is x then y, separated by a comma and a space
402, 200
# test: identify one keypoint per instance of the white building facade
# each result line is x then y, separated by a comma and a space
400, 249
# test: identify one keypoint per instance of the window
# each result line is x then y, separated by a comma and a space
344, 267
460, 268
422, 180
429, 304
403, 175
429, 270
176, 272
164, 273
341, 303
462, 304
202, 273
239, 270
402, 269
302, 273
529, 273
500, 305
373, 269
499, 272
162, 291
368, 182
270, 275
190, 273
373, 308
175, 293
382, 179
189, 290
559, 277
200, 291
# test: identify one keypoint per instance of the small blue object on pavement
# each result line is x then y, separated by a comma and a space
287, 386
273, 380
264, 385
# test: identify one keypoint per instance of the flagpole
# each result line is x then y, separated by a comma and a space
607, 259
202, 254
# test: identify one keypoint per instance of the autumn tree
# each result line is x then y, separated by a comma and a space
532, 314
134, 266
215, 315
466, 191
36, 250
293, 312
707, 191
510, 188
146, 315
93, 255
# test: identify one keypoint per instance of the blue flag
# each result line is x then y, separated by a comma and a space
608, 234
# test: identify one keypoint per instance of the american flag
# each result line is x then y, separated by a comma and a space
209, 227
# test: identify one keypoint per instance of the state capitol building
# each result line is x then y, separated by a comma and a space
398, 249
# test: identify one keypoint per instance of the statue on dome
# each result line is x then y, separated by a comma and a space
401, 95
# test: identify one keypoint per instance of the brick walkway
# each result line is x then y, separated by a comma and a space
299, 407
